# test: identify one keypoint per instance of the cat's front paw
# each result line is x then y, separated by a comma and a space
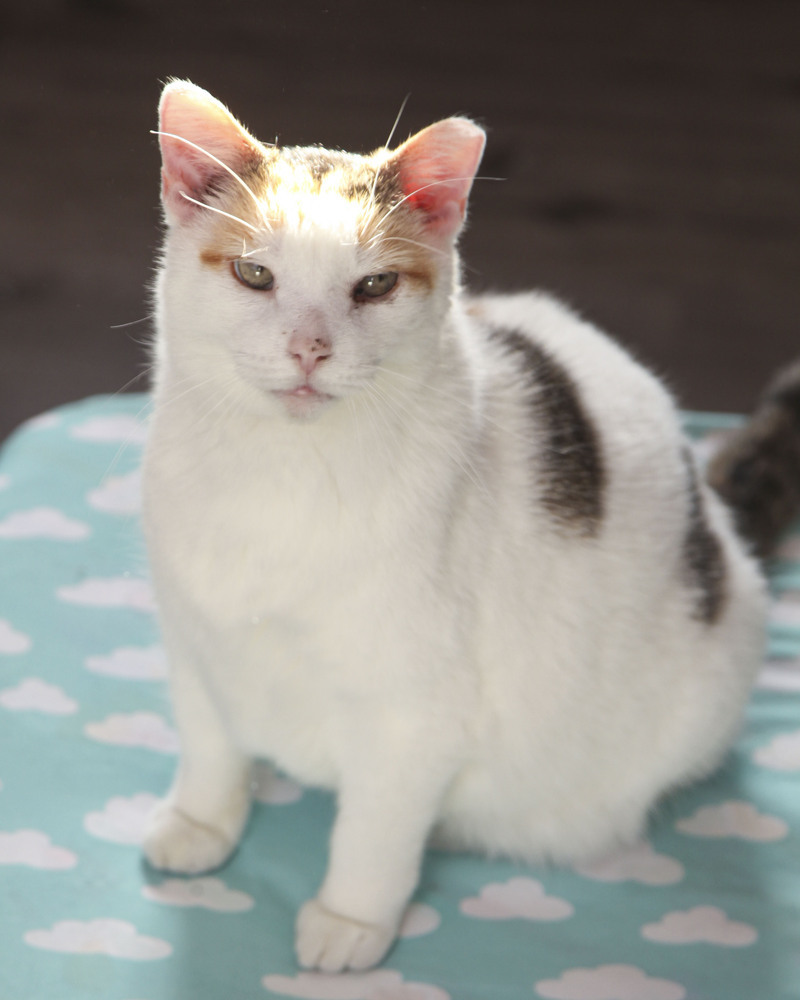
174, 842
332, 943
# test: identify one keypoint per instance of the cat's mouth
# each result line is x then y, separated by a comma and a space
304, 400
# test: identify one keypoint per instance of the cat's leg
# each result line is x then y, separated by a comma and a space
384, 816
198, 825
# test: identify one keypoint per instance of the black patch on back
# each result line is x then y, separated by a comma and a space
571, 479
703, 559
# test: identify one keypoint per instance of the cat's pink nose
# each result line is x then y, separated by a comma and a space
308, 349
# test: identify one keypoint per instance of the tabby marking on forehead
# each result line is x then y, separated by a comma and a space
301, 187
571, 479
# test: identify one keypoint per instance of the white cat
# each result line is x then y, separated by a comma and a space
448, 557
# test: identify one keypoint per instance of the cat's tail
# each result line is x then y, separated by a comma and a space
758, 470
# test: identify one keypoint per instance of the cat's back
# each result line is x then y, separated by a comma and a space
601, 435
548, 341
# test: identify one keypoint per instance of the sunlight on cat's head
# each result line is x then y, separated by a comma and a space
352, 257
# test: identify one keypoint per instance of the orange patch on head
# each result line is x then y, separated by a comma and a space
423, 279
213, 258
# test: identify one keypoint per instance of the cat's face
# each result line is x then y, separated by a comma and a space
301, 274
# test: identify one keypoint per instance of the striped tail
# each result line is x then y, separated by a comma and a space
758, 470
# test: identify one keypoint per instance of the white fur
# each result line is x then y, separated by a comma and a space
368, 594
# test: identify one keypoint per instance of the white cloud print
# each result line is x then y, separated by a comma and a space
116, 938
34, 849
419, 919
786, 610
43, 422
110, 592
609, 982
780, 675
780, 754
635, 864
43, 522
733, 819
122, 820
517, 899
205, 893
118, 494
138, 729
123, 428
35, 695
379, 984
12, 640
701, 925
132, 663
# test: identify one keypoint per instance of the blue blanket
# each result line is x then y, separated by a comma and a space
708, 907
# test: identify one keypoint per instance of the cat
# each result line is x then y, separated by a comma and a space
447, 556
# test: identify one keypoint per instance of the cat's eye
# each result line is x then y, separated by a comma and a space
375, 286
253, 275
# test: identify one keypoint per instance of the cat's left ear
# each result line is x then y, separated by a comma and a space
436, 168
201, 144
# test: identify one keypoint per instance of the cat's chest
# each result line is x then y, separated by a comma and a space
248, 536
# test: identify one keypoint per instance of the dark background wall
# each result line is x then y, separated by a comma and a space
651, 153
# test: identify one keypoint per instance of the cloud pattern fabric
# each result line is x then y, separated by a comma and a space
707, 907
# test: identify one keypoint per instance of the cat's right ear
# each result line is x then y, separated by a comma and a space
201, 142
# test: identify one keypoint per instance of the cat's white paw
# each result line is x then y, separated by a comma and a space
332, 943
176, 843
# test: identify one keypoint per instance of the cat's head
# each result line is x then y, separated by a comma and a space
302, 273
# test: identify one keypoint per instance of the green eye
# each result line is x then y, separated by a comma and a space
375, 286
253, 275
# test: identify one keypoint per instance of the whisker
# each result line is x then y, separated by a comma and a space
393, 129
397, 119
212, 208
220, 163
424, 187
456, 451
133, 322
124, 445
229, 397
405, 239
251, 253
351, 406
379, 405
466, 404
146, 370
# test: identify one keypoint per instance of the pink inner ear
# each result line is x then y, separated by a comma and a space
437, 167
199, 140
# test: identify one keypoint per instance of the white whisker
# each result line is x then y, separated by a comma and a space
392, 131
397, 120
466, 404
405, 239
124, 445
171, 135
424, 187
133, 322
457, 451
212, 208
251, 253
